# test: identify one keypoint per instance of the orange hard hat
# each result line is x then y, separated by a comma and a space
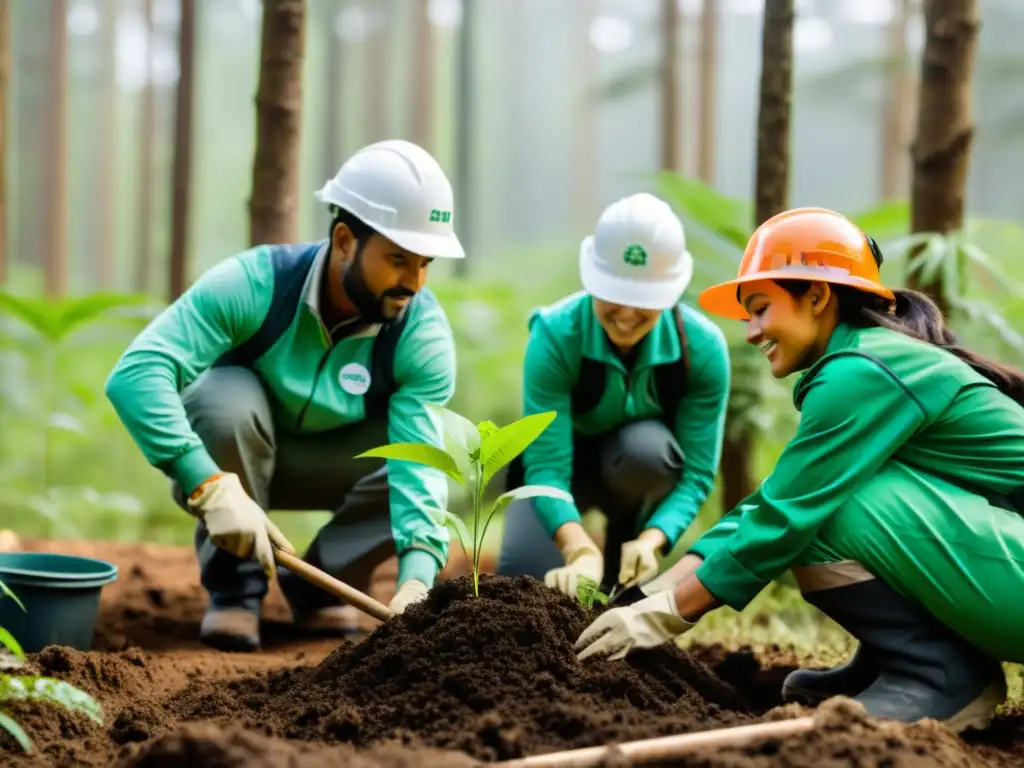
802, 244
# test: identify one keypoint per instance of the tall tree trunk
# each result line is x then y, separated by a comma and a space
771, 195
55, 257
182, 162
584, 143
274, 205
333, 83
898, 107
147, 142
106, 192
670, 133
376, 52
708, 90
5, 101
465, 129
424, 86
945, 124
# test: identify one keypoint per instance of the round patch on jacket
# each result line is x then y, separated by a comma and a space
354, 378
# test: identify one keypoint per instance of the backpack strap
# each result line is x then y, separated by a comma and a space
382, 360
291, 265
671, 380
589, 387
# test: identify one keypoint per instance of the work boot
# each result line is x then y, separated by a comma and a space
314, 610
924, 669
231, 629
812, 686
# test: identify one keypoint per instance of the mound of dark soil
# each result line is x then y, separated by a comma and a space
494, 676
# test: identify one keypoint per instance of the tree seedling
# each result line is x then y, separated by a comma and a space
472, 455
35, 688
588, 592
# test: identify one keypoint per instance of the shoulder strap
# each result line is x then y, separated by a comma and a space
589, 387
291, 265
382, 363
671, 380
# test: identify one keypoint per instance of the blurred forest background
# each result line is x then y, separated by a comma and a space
136, 154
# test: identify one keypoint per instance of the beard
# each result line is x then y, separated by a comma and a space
373, 308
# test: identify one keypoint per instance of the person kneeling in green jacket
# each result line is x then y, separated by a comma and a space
898, 504
639, 382
256, 389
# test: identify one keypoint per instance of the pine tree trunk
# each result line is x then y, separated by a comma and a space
55, 256
147, 142
465, 132
708, 90
5, 102
421, 105
670, 124
771, 195
377, 57
106, 193
274, 205
898, 107
182, 162
945, 123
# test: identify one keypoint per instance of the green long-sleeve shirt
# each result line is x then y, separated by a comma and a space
877, 395
565, 332
302, 372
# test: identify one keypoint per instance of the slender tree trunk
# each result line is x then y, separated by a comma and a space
375, 50
106, 191
670, 133
945, 124
274, 205
147, 141
182, 162
5, 101
584, 145
333, 83
771, 195
708, 91
465, 131
56, 222
424, 87
898, 107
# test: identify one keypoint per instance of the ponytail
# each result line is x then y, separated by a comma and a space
917, 316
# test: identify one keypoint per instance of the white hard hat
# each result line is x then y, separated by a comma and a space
637, 255
399, 189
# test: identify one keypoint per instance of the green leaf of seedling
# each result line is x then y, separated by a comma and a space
499, 448
418, 453
486, 429
461, 439
5, 591
48, 689
522, 492
8, 724
7, 641
453, 520
589, 592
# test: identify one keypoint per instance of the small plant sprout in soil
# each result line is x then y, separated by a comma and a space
472, 455
15, 688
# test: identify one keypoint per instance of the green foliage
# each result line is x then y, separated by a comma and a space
472, 455
588, 592
15, 688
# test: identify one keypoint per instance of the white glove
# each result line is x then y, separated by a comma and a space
640, 557
412, 591
645, 624
585, 562
236, 523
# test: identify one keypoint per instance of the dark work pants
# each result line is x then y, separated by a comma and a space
625, 473
229, 410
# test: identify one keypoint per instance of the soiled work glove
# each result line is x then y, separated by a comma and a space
640, 557
236, 523
412, 591
646, 624
582, 559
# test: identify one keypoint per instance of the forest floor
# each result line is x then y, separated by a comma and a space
454, 681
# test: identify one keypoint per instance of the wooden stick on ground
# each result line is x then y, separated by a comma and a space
350, 595
665, 746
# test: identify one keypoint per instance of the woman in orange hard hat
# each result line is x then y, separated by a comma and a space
899, 504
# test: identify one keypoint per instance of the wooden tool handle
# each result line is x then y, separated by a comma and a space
350, 595
664, 747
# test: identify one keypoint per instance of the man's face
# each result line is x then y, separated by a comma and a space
379, 276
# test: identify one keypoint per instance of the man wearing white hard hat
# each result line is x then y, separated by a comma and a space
257, 388
639, 382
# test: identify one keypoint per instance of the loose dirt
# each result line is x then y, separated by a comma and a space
454, 681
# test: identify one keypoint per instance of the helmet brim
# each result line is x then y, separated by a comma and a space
722, 299
630, 292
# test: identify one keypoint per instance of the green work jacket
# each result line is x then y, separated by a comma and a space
876, 395
565, 332
315, 385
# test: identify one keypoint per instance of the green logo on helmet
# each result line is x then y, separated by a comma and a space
635, 256
442, 216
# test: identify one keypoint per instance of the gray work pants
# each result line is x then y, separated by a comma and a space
229, 410
626, 473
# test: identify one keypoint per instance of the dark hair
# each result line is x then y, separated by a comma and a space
360, 230
917, 316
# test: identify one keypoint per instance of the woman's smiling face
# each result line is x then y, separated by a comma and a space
790, 330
